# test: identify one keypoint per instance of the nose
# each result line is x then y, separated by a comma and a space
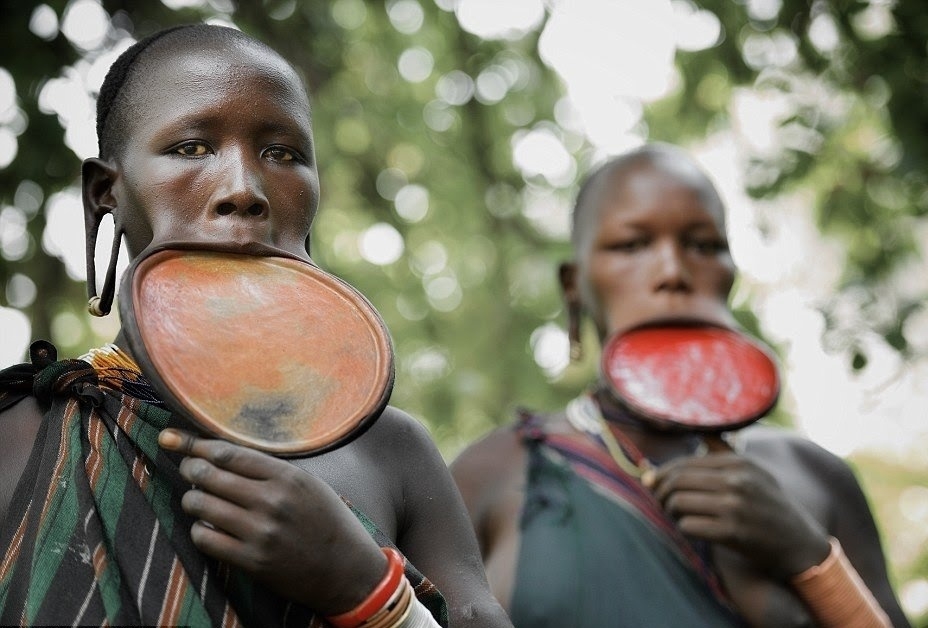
673, 273
240, 190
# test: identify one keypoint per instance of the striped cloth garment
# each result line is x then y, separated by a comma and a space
95, 532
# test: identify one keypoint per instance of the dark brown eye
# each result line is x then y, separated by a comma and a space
627, 246
710, 246
192, 149
279, 153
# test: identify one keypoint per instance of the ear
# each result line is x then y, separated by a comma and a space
567, 274
97, 179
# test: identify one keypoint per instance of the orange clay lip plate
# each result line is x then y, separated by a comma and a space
693, 376
269, 352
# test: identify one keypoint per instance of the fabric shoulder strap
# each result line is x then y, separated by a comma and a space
590, 459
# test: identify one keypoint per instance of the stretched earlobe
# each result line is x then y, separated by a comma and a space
567, 273
97, 178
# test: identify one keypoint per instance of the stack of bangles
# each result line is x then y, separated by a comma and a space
837, 596
392, 603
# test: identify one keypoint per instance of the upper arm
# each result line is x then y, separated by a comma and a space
435, 532
853, 524
485, 473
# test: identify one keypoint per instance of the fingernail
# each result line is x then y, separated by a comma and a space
169, 439
647, 478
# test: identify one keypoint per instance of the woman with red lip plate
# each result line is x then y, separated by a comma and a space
573, 531
112, 513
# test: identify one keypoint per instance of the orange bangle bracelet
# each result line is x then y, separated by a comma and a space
377, 598
836, 594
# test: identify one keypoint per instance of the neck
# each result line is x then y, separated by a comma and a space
122, 342
657, 444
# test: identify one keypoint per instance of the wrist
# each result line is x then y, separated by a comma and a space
386, 594
816, 551
358, 571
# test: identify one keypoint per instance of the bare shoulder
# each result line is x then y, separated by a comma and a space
396, 428
784, 448
490, 473
485, 464
372, 470
488, 456
400, 446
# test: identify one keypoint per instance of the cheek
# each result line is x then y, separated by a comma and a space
310, 193
301, 195
309, 196
614, 277
152, 186
614, 293
719, 276
157, 207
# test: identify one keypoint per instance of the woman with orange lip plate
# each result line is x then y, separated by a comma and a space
112, 512
574, 533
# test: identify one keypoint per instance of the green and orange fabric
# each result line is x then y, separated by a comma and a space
96, 534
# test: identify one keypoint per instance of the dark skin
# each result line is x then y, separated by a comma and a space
221, 151
654, 247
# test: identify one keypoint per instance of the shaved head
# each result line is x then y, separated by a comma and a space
619, 172
125, 81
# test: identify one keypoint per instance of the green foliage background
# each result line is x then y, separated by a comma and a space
462, 368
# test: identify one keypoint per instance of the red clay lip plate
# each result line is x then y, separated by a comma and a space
269, 352
695, 376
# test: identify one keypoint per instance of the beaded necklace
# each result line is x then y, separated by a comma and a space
585, 415
109, 357
118, 371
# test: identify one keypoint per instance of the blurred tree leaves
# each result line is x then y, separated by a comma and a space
432, 156
854, 75
475, 278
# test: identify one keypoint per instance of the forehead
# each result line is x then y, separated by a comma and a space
181, 78
648, 187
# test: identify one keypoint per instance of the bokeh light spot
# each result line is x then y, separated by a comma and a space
20, 291
85, 23
44, 22
540, 152
412, 202
415, 64
349, 14
16, 330
381, 244
493, 19
405, 15
455, 88
550, 348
